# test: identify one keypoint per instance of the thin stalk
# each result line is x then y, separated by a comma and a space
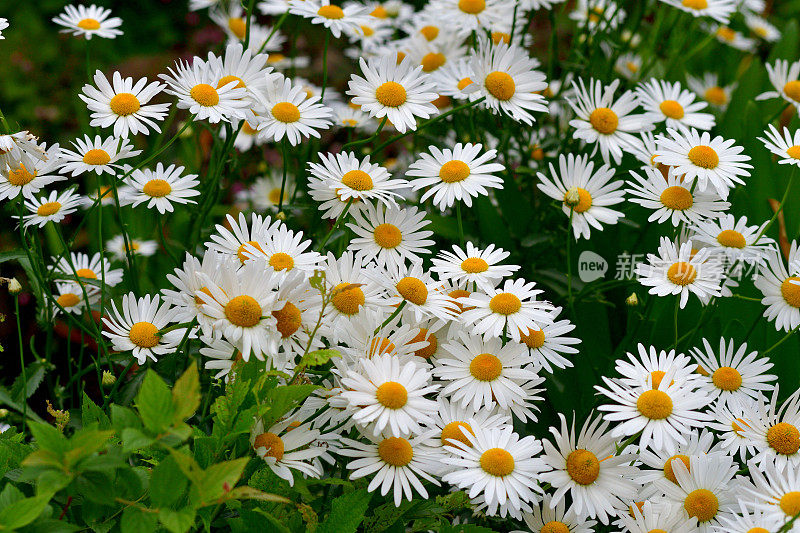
325, 65
368, 139
285, 146
22, 364
784, 339
780, 206
335, 224
460, 224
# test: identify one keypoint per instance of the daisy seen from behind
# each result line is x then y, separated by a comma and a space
785, 78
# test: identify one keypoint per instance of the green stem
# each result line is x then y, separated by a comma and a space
391, 317
569, 259
22, 364
368, 139
460, 224
335, 224
677, 308
285, 168
163, 239
247, 27
784, 339
780, 206
325, 65
274, 29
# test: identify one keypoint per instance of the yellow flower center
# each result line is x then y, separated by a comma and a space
331, 12
89, 24
669, 473
731, 239
425, 336
738, 426
455, 431
380, 12
757, 530
472, 7
790, 503
584, 200
358, 180
554, 527
656, 376
87, 273
784, 438
505, 303
672, 109
793, 151
225, 80
157, 188
500, 85
243, 311
48, 209
474, 265
238, 27
96, 156
247, 129
367, 31
537, 153
396, 451
497, 461
681, 273
464, 83
703, 157
792, 90
695, 4
144, 334
286, 112
429, 32
347, 298
68, 299
486, 367
716, 96
727, 378
454, 171
388, 236
533, 339
677, 198
500, 37
726, 34
442, 101
124, 104
392, 395
701, 503
391, 94
791, 291
205, 95
381, 345
275, 58
288, 318
654, 404
631, 66
413, 290
281, 261
20, 176
604, 121
432, 61
273, 444
243, 254
583, 467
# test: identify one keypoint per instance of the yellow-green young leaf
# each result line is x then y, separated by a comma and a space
154, 402
49, 438
23, 512
85, 443
319, 357
177, 521
186, 395
167, 483
220, 479
249, 493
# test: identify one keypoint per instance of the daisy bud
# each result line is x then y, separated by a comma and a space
281, 215
632, 300
573, 197
187, 133
108, 378
3, 413
14, 286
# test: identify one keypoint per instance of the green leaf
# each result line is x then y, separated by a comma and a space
92, 414
319, 357
6, 399
85, 443
154, 402
167, 483
186, 395
133, 439
177, 521
49, 438
281, 399
276, 524
249, 493
347, 513
123, 417
220, 479
35, 374
134, 520
23, 512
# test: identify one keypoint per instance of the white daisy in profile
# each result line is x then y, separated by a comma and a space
472, 266
160, 188
785, 78
285, 250
265, 192
648, 367
783, 144
585, 193
424, 297
397, 462
605, 121
507, 77
548, 346
234, 241
264, 38
775, 492
654, 518
393, 89
71, 298
195, 86
15, 146
762, 28
29, 175
598, 479
456, 175
389, 396
98, 155
390, 236
597, 14
3, 26
124, 104
95, 268
378, 333
187, 281
661, 461
285, 110
733, 238
675, 106
221, 356
628, 65
729, 422
231, 19
496, 464
719, 10
480, 374
548, 518
288, 446
664, 415
781, 288
775, 431
453, 78
703, 490
338, 20
680, 271
353, 291
116, 245
747, 520
672, 200
88, 21
51, 208
512, 309
709, 89
136, 328
732, 38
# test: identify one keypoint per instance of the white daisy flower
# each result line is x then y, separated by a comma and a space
284, 250
709, 89
353, 290
747, 521
679, 271
434, 55
781, 288
390, 236
137, 328
775, 431
95, 268
719, 10
234, 241
648, 368
389, 395
675, 106
265, 192
188, 281
3, 26
28, 175
733, 238
585, 193
393, 89
652, 517
222, 356
263, 39
465, 16
160, 188
628, 65
51, 208
548, 346
785, 146
453, 79
286, 447
729, 420
671, 199
15, 146
98, 155
598, 479
88, 21
473, 266
70, 298
246, 68
732, 38
116, 245
549, 518
346, 117
496, 464
785, 78
775, 492
337, 19
124, 104
423, 296
231, 19
397, 462
663, 415
452, 421
455, 175
378, 333
762, 28
661, 461
284, 110
603, 121
195, 86
506, 76
597, 14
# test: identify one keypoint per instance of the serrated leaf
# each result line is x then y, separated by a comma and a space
281, 399
92, 414
220, 479
186, 395
133, 439
319, 357
177, 521
167, 483
135, 520
23, 512
347, 512
154, 403
49, 438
